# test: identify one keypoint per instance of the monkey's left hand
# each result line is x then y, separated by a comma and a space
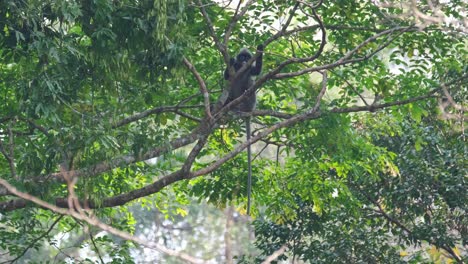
260, 47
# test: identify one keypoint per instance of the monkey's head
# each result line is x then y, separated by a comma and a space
243, 56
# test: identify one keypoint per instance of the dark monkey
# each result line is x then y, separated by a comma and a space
239, 86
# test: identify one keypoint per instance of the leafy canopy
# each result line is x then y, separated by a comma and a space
113, 108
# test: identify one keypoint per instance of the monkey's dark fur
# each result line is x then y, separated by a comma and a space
243, 82
239, 86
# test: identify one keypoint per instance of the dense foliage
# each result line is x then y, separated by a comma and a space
111, 124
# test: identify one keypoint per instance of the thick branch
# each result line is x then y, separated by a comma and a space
180, 175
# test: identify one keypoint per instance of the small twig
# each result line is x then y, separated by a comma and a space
196, 119
288, 21
260, 152
352, 88
234, 20
10, 161
38, 127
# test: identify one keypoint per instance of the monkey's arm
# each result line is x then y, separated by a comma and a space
226, 72
258, 63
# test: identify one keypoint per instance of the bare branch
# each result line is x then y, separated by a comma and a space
352, 88
201, 83
194, 153
12, 148
10, 160
9, 153
196, 119
350, 53
451, 101
91, 237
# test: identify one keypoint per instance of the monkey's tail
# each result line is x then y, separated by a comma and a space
249, 165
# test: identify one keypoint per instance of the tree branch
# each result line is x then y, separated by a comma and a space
179, 175
219, 45
234, 20
201, 83
342, 61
